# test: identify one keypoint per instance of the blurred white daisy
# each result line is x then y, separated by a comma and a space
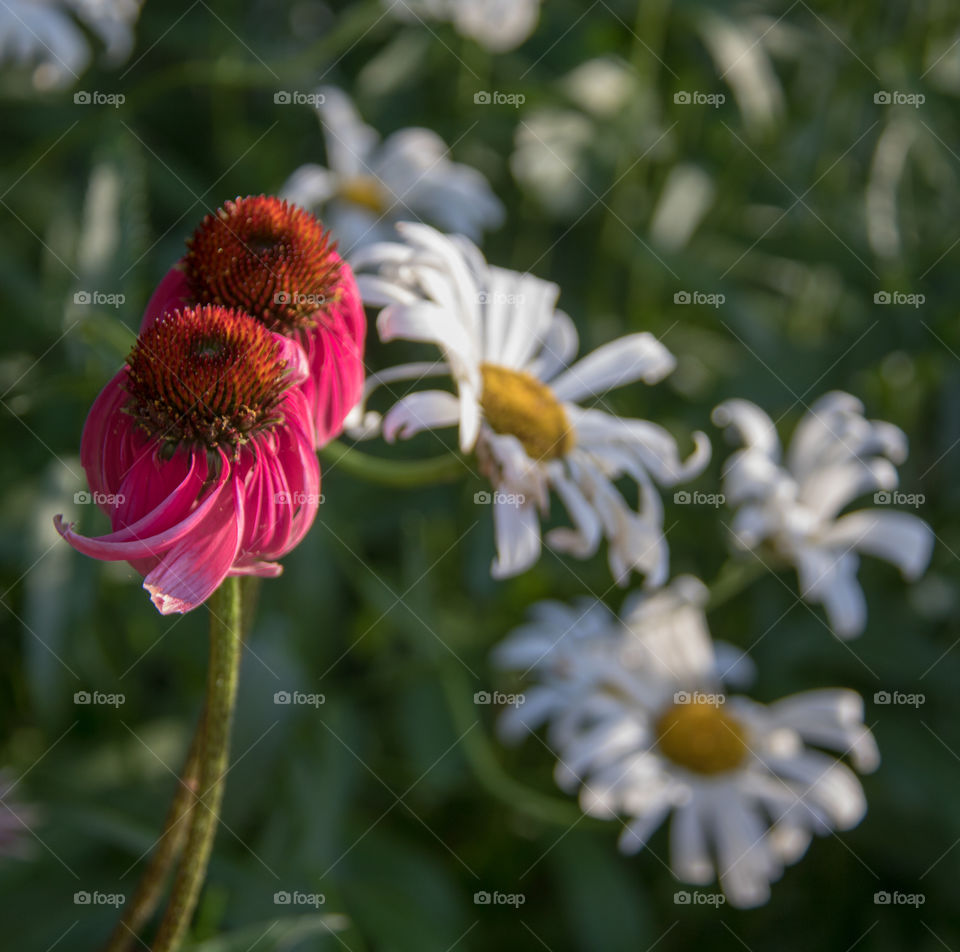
583, 658
497, 25
792, 507
744, 784
370, 184
518, 398
49, 35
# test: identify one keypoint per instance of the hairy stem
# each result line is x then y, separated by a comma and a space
225, 651
150, 888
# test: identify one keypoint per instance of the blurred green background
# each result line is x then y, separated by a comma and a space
799, 199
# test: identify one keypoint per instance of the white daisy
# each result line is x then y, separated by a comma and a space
497, 25
50, 35
583, 659
517, 403
792, 507
744, 785
370, 184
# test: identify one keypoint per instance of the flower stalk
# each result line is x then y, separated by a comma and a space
225, 652
150, 888
401, 474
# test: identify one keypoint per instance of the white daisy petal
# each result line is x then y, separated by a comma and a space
651, 445
518, 537
469, 415
750, 474
424, 410
349, 140
583, 540
426, 322
830, 579
689, 850
897, 537
636, 833
819, 430
826, 491
827, 783
559, 348
310, 186
742, 857
635, 357
752, 426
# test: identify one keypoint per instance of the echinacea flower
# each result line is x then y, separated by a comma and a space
277, 263
201, 452
747, 785
793, 507
53, 35
518, 398
368, 184
497, 25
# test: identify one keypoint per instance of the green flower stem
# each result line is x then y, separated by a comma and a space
225, 653
732, 579
150, 888
401, 474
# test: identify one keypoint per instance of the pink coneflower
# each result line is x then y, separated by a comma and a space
277, 262
201, 452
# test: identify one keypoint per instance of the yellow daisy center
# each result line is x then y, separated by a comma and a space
701, 737
516, 403
364, 190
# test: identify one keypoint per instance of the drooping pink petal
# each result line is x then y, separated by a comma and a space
158, 530
193, 569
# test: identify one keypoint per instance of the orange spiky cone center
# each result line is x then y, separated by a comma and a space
205, 376
267, 257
